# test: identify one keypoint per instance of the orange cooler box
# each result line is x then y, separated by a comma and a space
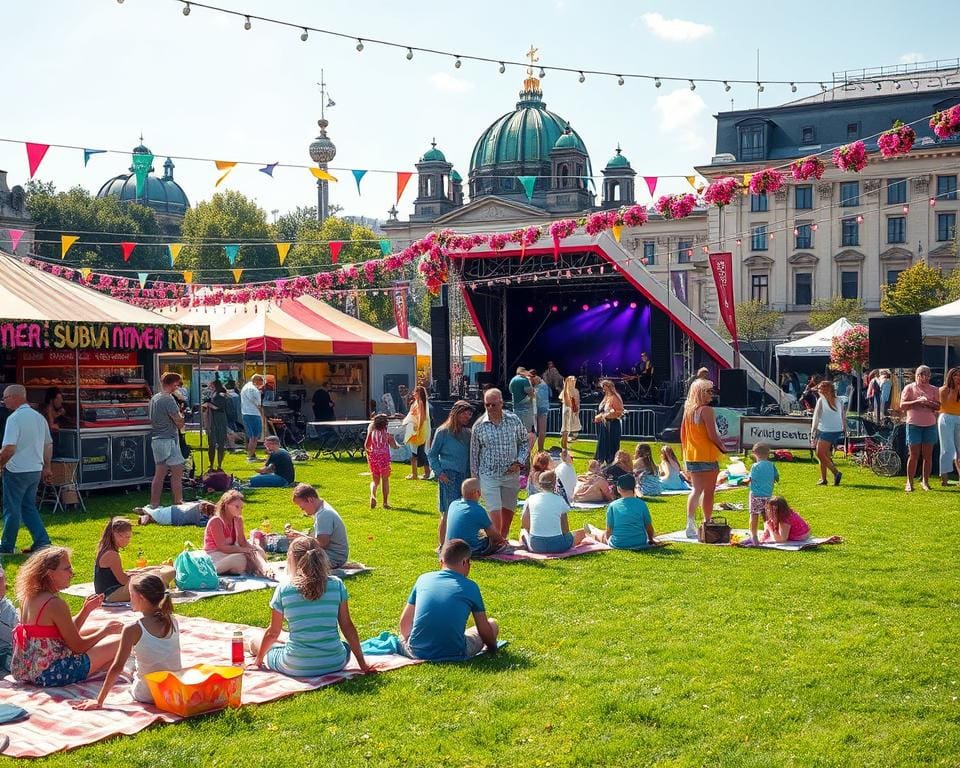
197, 689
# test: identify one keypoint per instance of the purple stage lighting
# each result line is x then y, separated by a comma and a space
633, 305
554, 308
530, 309
616, 303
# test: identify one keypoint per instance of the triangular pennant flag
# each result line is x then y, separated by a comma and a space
142, 164
651, 183
321, 174
357, 175
268, 169
35, 153
402, 178
746, 179
528, 182
236, 275
88, 153
188, 277
223, 165
617, 231
385, 247
335, 246
232, 251
174, 249
692, 181
15, 235
86, 272
65, 242
282, 250
142, 277
127, 249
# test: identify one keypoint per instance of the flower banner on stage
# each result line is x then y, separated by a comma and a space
722, 266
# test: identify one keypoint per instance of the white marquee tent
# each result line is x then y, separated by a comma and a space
817, 344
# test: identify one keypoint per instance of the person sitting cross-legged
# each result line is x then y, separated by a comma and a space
544, 523
434, 620
628, 519
277, 470
328, 527
466, 519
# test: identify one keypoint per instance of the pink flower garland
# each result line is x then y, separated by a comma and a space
634, 216
675, 206
851, 157
807, 168
766, 181
722, 191
897, 141
946, 123
850, 351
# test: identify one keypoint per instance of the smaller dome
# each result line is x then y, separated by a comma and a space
569, 140
455, 177
618, 160
433, 155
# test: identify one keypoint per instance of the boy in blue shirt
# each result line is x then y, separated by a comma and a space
434, 619
466, 519
763, 474
628, 519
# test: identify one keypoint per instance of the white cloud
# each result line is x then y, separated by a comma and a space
441, 81
679, 113
676, 30
911, 58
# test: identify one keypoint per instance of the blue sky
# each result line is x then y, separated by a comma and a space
96, 73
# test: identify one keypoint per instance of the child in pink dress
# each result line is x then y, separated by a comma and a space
782, 523
377, 445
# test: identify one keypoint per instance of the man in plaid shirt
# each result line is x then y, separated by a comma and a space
498, 451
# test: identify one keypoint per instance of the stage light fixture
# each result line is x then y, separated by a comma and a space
585, 307
633, 305
530, 309
553, 308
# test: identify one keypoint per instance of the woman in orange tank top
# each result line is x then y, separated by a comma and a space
702, 450
948, 425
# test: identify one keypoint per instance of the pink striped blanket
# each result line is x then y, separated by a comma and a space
54, 725
516, 551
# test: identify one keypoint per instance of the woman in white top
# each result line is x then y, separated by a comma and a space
544, 523
828, 429
570, 398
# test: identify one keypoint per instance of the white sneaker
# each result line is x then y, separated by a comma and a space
691, 530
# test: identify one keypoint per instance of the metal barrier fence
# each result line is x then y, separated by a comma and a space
637, 424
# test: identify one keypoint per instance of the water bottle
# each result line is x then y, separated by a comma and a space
141, 559
236, 648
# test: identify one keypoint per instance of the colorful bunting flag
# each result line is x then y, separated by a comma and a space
357, 175
127, 249
223, 165
232, 251
86, 272
141, 167
528, 183
236, 275
88, 153
402, 178
268, 169
174, 249
651, 183
142, 277
617, 231
35, 153
746, 179
335, 246
15, 235
692, 181
65, 242
385, 247
188, 277
321, 174
282, 250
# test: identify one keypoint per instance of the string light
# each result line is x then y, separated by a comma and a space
793, 87
582, 78
246, 24
759, 87
620, 80
359, 45
457, 63
304, 35
409, 53
656, 82
503, 67
726, 85
186, 9
543, 73
693, 86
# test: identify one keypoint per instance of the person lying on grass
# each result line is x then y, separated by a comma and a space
466, 519
314, 604
782, 523
544, 524
188, 513
109, 577
434, 619
153, 641
328, 527
226, 543
628, 519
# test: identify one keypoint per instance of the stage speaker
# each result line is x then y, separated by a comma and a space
733, 388
440, 350
895, 342
486, 377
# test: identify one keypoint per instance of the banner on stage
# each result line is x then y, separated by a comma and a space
775, 431
400, 309
722, 266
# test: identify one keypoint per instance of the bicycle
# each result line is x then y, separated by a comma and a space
878, 454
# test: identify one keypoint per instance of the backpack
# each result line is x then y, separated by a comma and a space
195, 569
216, 480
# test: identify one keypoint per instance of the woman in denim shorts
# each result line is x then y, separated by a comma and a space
827, 430
921, 401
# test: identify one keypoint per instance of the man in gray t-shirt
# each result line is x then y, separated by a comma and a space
328, 527
165, 424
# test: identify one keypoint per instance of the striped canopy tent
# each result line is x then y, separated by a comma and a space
302, 326
473, 349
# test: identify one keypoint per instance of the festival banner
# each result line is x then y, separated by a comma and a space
231, 251
100, 340
357, 175
223, 165
678, 279
528, 183
400, 309
402, 178
236, 275
722, 266
651, 183
126, 249
268, 169
15, 235
335, 246
282, 250
141, 167
88, 153
65, 242
174, 249
142, 277
35, 153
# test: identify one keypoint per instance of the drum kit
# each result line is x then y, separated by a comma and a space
631, 384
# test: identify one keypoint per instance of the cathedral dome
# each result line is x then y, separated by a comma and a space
433, 155
619, 160
163, 195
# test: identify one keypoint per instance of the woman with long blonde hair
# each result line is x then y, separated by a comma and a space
419, 419
607, 420
449, 453
570, 399
827, 430
702, 450
226, 543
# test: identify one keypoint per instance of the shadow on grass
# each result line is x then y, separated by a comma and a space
502, 661
432, 513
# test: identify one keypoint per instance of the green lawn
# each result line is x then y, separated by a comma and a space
688, 656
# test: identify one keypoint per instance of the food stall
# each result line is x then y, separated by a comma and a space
56, 333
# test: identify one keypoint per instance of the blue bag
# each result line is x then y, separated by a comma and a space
195, 569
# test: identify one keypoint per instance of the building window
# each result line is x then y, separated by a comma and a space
753, 143
896, 229
893, 275
853, 131
896, 191
803, 289
849, 285
946, 187
684, 251
758, 238
808, 134
849, 194
803, 197
650, 252
849, 232
758, 203
946, 226
758, 288
804, 236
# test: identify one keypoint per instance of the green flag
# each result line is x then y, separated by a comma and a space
528, 183
141, 167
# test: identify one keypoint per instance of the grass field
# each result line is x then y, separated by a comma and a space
688, 656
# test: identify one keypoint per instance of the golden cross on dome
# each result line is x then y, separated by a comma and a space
532, 55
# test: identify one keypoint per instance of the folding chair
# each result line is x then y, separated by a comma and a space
64, 481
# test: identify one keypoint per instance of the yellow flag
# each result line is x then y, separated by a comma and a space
236, 275
188, 277
746, 179
174, 249
65, 242
617, 231
692, 181
86, 272
322, 174
282, 250
223, 165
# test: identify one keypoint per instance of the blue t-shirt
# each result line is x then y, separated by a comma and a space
628, 518
465, 520
443, 599
543, 397
518, 393
763, 474
314, 646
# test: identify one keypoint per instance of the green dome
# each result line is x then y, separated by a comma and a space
433, 155
163, 195
569, 140
618, 161
455, 177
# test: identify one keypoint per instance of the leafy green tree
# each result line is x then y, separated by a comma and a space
918, 288
286, 226
755, 321
827, 311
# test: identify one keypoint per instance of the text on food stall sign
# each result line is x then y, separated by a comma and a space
67, 335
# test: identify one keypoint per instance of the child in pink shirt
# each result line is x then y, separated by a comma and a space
782, 523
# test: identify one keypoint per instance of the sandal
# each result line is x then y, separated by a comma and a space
373, 502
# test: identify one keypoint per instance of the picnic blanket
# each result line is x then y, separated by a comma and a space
54, 725
577, 504
718, 489
516, 551
680, 537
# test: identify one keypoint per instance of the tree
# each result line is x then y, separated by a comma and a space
918, 288
827, 311
101, 223
286, 226
755, 321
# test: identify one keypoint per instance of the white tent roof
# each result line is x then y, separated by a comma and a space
817, 344
472, 346
941, 323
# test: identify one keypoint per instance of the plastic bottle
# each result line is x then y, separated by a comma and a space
141, 559
236, 648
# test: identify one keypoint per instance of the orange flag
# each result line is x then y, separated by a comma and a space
188, 277
236, 275
402, 178
223, 165
65, 242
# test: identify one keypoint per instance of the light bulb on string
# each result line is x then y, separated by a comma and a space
656, 82
542, 74
823, 88
759, 87
359, 45
693, 86
246, 24
503, 67
620, 80
906, 209
726, 85
186, 9
793, 87
409, 53
457, 63
304, 35
582, 78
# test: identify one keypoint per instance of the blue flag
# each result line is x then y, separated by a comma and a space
232, 251
357, 175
